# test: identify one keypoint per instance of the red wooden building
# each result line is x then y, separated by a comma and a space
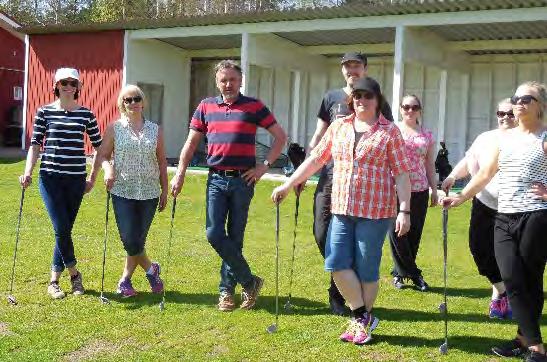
12, 70
99, 58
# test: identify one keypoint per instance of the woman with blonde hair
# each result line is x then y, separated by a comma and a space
520, 159
137, 181
484, 209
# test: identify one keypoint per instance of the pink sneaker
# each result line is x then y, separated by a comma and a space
506, 308
156, 284
125, 288
365, 326
349, 333
495, 309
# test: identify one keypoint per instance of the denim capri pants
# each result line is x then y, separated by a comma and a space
356, 243
134, 218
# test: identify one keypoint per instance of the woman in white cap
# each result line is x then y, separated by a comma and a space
60, 127
137, 181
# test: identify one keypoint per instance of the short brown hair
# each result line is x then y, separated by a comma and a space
228, 64
379, 97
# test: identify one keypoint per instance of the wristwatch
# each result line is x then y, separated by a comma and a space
267, 163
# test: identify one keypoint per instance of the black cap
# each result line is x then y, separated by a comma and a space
366, 84
354, 57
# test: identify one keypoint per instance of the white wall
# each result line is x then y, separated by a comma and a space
470, 108
152, 61
471, 111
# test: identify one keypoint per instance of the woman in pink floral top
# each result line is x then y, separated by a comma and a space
420, 149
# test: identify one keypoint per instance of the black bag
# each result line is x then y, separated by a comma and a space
297, 154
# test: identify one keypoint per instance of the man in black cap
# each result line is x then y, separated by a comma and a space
333, 106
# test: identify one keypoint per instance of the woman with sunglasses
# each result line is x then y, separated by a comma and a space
370, 164
60, 127
520, 159
484, 209
137, 181
420, 149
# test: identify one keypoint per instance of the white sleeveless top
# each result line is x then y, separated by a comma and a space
522, 162
478, 158
135, 162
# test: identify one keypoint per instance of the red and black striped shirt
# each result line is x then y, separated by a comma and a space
231, 130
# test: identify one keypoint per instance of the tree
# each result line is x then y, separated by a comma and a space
46, 12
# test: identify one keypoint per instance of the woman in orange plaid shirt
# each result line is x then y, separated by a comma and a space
370, 170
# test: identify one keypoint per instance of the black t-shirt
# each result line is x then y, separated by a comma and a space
334, 106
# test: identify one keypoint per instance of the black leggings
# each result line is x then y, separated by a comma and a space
481, 240
521, 252
321, 220
405, 248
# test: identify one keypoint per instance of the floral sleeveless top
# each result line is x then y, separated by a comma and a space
135, 162
416, 147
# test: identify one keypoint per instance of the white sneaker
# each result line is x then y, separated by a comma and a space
55, 291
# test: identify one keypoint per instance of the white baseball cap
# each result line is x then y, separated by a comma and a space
64, 73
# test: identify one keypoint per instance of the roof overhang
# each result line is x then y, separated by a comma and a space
10, 25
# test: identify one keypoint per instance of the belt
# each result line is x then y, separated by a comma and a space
227, 173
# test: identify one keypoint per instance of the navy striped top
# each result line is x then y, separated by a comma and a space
63, 132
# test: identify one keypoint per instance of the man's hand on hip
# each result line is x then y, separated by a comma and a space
253, 175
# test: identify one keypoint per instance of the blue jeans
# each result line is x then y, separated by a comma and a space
228, 200
134, 218
356, 243
62, 196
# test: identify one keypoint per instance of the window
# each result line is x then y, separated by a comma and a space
154, 94
17, 93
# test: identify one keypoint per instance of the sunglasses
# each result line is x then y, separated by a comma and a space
72, 83
365, 95
525, 99
130, 100
502, 114
408, 107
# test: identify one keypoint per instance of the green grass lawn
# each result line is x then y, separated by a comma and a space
190, 328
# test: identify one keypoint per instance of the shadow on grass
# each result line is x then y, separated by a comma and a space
302, 306
391, 314
468, 344
476, 293
8, 161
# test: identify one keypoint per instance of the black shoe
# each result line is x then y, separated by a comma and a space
398, 282
420, 283
510, 349
533, 356
338, 307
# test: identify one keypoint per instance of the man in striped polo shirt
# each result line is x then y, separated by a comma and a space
230, 122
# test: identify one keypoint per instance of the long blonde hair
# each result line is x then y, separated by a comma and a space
542, 92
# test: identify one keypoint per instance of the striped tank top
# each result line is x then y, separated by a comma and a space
522, 162
135, 161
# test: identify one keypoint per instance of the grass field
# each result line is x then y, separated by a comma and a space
190, 328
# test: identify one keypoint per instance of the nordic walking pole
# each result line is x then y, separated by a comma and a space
162, 303
102, 298
273, 327
288, 306
443, 307
11, 297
